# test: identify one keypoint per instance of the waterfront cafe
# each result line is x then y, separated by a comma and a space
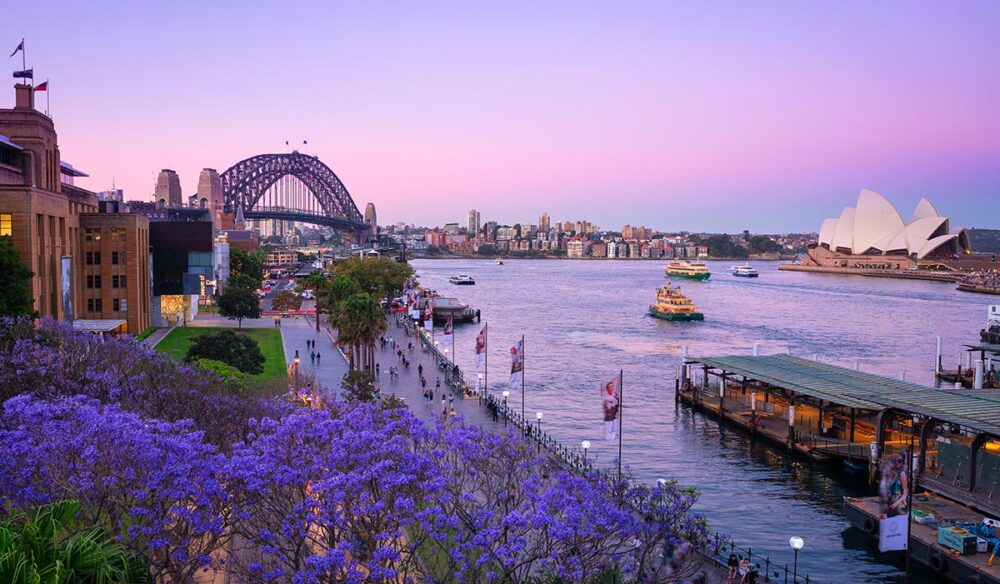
832, 413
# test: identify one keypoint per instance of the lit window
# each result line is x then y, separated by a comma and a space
92, 234
6, 224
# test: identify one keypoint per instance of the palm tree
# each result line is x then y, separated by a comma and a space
52, 547
360, 323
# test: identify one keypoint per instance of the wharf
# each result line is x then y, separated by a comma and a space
769, 424
863, 513
899, 274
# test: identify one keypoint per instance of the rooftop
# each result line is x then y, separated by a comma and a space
977, 410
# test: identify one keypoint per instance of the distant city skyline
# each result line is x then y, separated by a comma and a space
674, 116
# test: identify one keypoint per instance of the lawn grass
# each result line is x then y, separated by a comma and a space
178, 340
145, 334
213, 309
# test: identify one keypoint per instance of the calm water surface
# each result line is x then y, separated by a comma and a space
583, 320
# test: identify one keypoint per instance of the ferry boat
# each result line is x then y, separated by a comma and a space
498, 262
672, 305
462, 280
689, 270
744, 271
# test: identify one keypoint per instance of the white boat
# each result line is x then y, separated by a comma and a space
462, 280
498, 262
744, 271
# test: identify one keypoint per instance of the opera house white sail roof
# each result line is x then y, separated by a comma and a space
874, 227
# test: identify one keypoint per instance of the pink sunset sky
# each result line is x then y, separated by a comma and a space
690, 115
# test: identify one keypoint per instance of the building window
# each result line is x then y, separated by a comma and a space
90, 305
94, 282
114, 258
93, 305
93, 258
124, 304
116, 305
6, 224
122, 281
90, 234
97, 305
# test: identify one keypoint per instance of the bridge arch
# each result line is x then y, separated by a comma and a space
246, 184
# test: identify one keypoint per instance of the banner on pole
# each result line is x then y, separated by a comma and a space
481, 348
449, 329
610, 403
429, 315
516, 364
894, 511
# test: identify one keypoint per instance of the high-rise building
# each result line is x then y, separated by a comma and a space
210, 189
168, 188
473, 224
543, 222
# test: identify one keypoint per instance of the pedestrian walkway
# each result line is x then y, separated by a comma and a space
407, 387
327, 371
157, 336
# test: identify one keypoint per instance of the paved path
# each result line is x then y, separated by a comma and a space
153, 339
332, 366
408, 386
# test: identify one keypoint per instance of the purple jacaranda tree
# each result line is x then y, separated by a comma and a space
330, 494
154, 485
510, 515
299, 488
51, 360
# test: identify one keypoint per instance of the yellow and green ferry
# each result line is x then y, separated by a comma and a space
688, 270
672, 305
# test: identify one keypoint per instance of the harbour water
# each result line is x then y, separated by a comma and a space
585, 320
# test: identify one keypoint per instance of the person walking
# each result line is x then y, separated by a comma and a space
312, 357
420, 369
318, 357
377, 371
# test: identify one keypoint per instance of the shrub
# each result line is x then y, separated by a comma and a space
240, 351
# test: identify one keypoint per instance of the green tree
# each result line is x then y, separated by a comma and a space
341, 288
237, 350
359, 386
286, 300
16, 298
319, 283
360, 323
241, 262
239, 303
383, 278
243, 281
52, 547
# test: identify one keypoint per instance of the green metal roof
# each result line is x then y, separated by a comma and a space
975, 409
989, 348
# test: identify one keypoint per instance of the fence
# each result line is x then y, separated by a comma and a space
577, 460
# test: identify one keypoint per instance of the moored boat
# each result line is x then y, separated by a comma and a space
688, 270
672, 305
744, 271
498, 261
462, 280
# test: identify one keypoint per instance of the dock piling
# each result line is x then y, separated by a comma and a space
937, 357
978, 380
756, 349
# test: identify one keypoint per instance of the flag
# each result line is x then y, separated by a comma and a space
24, 74
610, 402
481, 348
516, 364
429, 315
20, 47
42, 86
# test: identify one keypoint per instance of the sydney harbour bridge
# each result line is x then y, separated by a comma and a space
292, 187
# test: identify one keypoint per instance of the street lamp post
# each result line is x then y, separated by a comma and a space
506, 394
586, 446
296, 370
797, 543
538, 417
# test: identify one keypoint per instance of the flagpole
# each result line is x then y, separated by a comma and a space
453, 344
24, 60
486, 363
523, 359
621, 414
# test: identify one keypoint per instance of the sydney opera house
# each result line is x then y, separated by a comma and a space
873, 235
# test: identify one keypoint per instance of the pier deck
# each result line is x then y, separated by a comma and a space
923, 546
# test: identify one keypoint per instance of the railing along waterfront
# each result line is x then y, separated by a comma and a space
720, 546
